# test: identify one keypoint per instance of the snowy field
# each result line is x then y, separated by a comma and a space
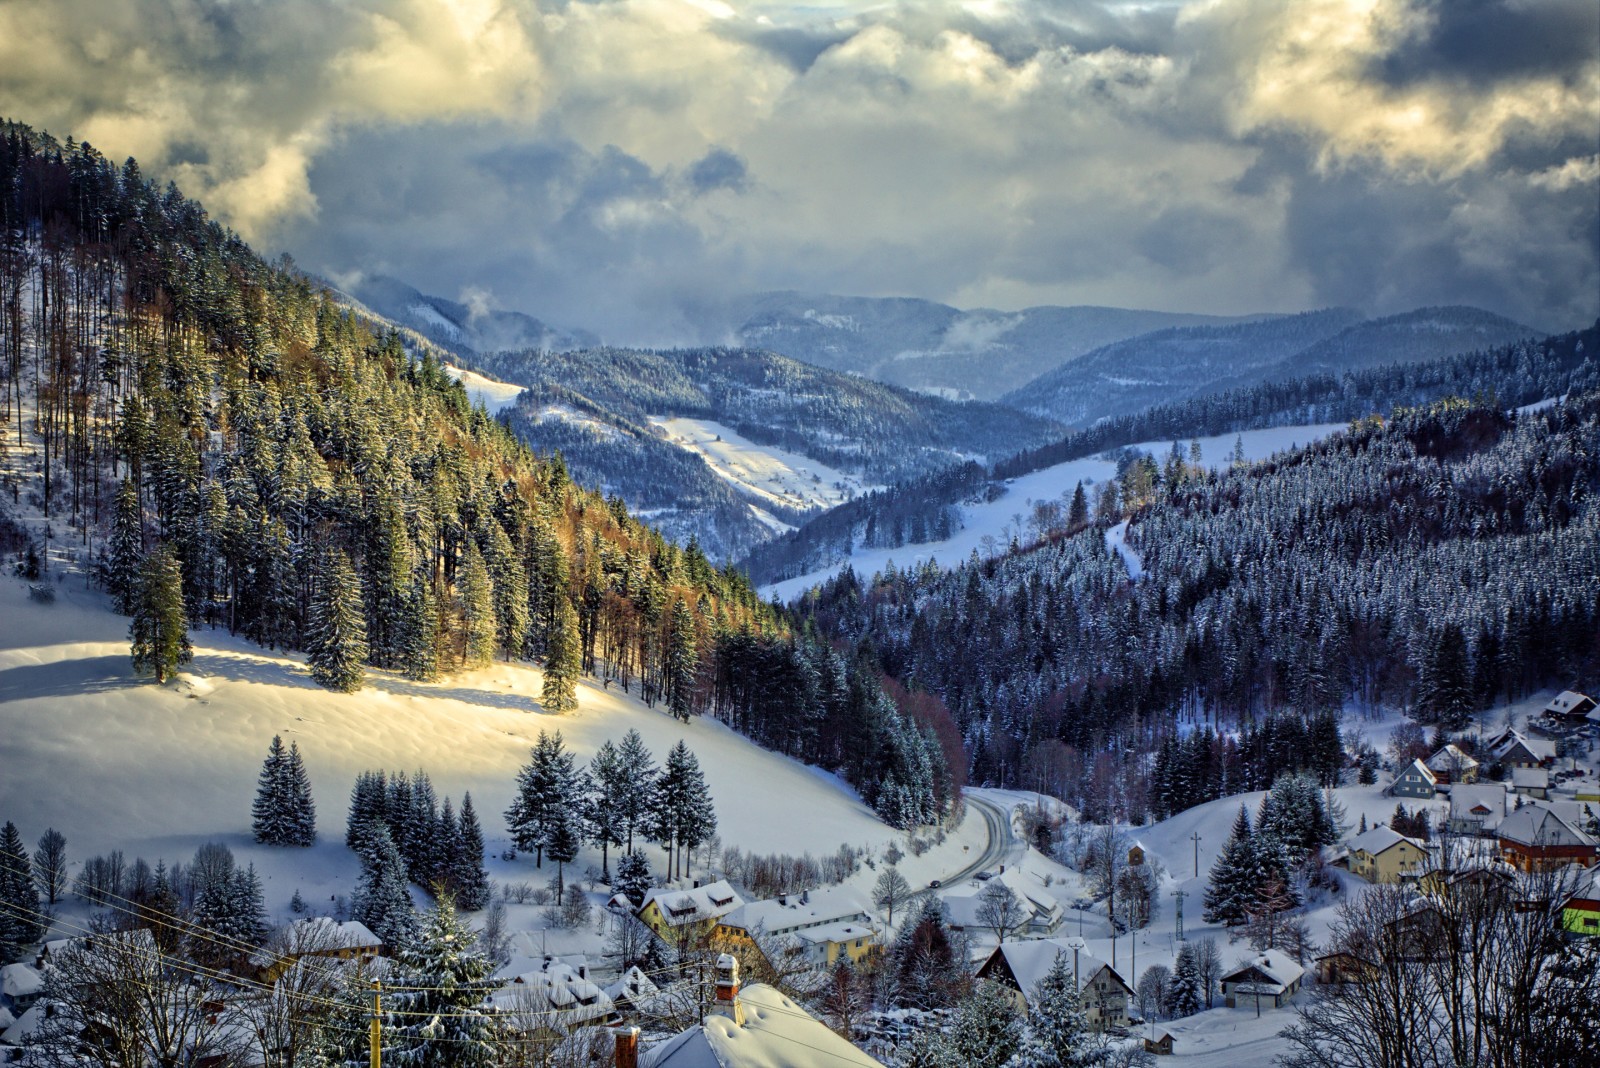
494, 395
115, 762
765, 473
988, 527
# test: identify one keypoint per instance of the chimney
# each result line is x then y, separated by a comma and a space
727, 1003
627, 1046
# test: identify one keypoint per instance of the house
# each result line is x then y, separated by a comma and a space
1534, 838
1333, 969
21, 984
1477, 879
828, 923
1531, 782
1020, 965
1415, 781
1267, 976
1136, 854
1513, 749
553, 999
685, 915
1569, 708
1476, 809
753, 1027
316, 936
632, 990
1161, 1045
1042, 915
1417, 934
1580, 912
1383, 855
1451, 765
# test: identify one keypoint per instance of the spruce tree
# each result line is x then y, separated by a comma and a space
471, 878
369, 805
302, 809
562, 840
270, 813
1186, 989
606, 804
420, 632
381, 900
1057, 1034
682, 662
563, 661
476, 597
127, 549
336, 644
545, 785
438, 1018
159, 632
685, 816
637, 769
19, 900
1230, 894
633, 877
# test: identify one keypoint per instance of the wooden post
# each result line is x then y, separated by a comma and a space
375, 1031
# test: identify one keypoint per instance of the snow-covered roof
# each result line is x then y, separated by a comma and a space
25, 1025
1451, 759
1536, 825
1030, 960
709, 902
841, 932
20, 981
1531, 778
556, 996
1567, 702
792, 913
1376, 840
1422, 771
962, 905
1467, 799
1279, 968
1538, 748
777, 1033
633, 986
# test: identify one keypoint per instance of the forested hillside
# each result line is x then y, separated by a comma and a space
1436, 561
1172, 365
232, 447
919, 510
881, 432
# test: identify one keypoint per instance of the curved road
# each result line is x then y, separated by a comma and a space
998, 822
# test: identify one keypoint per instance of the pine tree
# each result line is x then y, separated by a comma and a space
270, 818
510, 593
247, 911
1230, 894
562, 840
684, 817
127, 549
987, 1030
369, 806
636, 786
50, 864
606, 804
438, 1018
471, 878
302, 810
336, 644
926, 969
160, 628
381, 900
563, 661
1058, 1033
1078, 510
682, 662
1186, 993
477, 607
1446, 687
544, 785
19, 900
420, 632
633, 877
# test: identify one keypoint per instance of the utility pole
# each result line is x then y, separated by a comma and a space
1195, 837
375, 1032
1133, 941
1180, 895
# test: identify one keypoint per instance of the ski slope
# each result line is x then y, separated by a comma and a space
495, 396
764, 473
988, 527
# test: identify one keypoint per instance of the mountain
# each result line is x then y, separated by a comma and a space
931, 347
1167, 366
457, 327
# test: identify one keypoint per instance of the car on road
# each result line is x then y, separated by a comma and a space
984, 876
935, 884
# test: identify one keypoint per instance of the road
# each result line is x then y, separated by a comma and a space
1001, 840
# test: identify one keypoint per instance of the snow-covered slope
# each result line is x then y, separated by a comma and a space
989, 526
765, 472
494, 396
114, 762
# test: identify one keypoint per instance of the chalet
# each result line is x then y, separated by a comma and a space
632, 990
1416, 935
753, 1027
1020, 965
317, 936
1534, 838
1476, 809
1569, 708
828, 923
1513, 749
1335, 969
1041, 916
1267, 976
1383, 855
1415, 781
1580, 912
1451, 765
1531, 782
677, 915
1161, 1045
1479, 879
21, 984
553, 999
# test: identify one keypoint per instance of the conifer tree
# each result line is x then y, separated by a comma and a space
381, 900
1230, 894
336, 645
471, 878
636, 788
270, 817
302, 808
1186, 996
420, 632
438, 1018
510, 592
1078, 510
606, 804
369, 806
1057, 1034
682, 661
562, 841
127, 549
477, 608
19, 900
633, 877
684, 815
545, 786
160, 628
563, 661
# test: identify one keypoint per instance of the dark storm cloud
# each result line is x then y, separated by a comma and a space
717, 169
1483, 41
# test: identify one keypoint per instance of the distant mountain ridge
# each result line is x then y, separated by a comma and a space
456, 326
1172, 365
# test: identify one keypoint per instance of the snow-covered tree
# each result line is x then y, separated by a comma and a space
1187, 995
1230, 894
607, 802
437, 1017
563, 661
336, 645
19, 900
381, 900
546, 791
633, 877
160, 628
684, 815
1058, 1033
283, 812
636, 785
470, 879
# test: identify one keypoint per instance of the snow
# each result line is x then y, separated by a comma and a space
495, 396
765, 473
429, 314
1117, 541
988, 527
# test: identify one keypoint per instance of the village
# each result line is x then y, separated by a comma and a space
1503, 811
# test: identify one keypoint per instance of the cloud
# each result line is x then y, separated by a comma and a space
576, 159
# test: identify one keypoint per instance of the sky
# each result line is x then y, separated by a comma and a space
623, 165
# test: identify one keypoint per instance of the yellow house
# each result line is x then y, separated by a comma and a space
317, 936
688, 915
826, 924
1383, 855
1580, 913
